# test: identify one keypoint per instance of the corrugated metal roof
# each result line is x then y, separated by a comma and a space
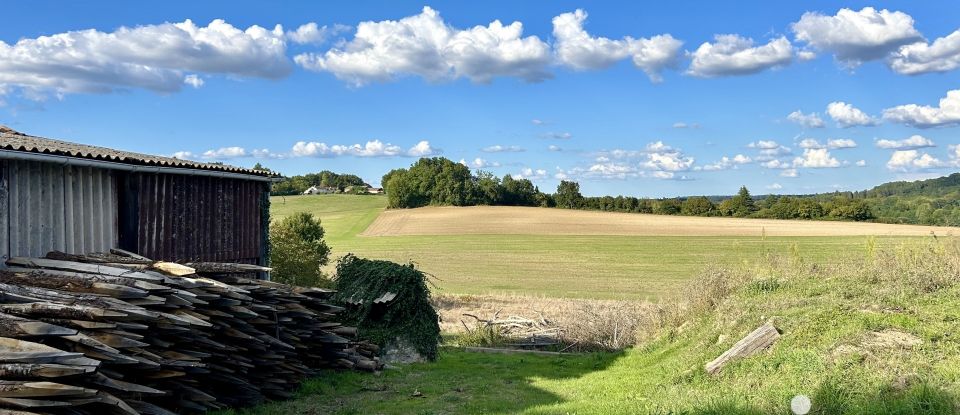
17, 141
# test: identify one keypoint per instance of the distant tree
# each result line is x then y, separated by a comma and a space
697, 206
742, 204
260, 167
487, 189
568, 195
667, 207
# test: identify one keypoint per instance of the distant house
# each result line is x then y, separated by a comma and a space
314, 190
374, 190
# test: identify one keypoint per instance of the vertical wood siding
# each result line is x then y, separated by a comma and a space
56, 207
192, 218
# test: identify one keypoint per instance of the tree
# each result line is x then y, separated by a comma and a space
697, 206
742, 204
667, 207
568, 195
298, 251
260, 167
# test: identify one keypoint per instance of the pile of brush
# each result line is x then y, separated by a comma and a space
116, 332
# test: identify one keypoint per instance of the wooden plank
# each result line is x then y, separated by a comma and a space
4, 212
758, 339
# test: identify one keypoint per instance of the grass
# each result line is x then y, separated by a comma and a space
571, 266
833, 319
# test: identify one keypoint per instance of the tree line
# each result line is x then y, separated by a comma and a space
298, 184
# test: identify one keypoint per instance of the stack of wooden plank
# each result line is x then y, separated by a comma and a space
116, 332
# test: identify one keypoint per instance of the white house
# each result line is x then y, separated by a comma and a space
314, 190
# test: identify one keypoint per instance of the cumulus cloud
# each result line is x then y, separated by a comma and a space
681, 125
925, 116
861, 163
153, 57
530, 174
184, 155
846, 115
737, 55
554, 148
537, 122
811, 120
374, 148
911, 143
314, 34
579, 50
225, 153
775, 186
479, 163
856, 36
833, 143
789, 173
426, 46
816, 158
727, 163
503, 149
769, 149
913, 160
919, 58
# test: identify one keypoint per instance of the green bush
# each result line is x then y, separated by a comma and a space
298, 251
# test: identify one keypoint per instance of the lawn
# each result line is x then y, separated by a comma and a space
876, 335
586, 266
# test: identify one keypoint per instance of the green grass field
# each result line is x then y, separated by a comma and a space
621, 267
873, 336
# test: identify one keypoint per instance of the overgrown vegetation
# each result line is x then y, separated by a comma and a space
297, 251
409, 317
872, 335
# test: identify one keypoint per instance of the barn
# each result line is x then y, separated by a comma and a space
57, 195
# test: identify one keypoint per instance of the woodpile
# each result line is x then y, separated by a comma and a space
119, 333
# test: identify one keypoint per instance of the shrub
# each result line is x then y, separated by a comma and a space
408, 317
298, 251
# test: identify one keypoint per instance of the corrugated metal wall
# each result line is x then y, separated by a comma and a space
56, 207
191, 218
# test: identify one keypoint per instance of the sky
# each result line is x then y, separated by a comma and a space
626, 98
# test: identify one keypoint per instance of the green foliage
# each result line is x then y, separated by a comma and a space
568, 195
430, 181
667, 207
409, 317
298, 184
297, 251
697, 206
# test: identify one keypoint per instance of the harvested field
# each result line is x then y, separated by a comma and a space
504, 220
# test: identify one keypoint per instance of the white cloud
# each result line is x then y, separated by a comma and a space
579, 50
919, 58
833, 143
775, 186
811, 120
847, 115
737, 55
861, 163
769, 149
426, 46
374, 148
857, 36
503, 149
667, 161
727, 163
816, 158
225, 153
775, 164
554, 148
558, 136
912, 160
153, 57
422, 149
913, 142
479, 163
184, 155
313, 34
530, 174
925, 116
538, 122
193, 80
685, 125
789, 173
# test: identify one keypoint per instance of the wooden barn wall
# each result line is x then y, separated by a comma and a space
49, 206
191, 218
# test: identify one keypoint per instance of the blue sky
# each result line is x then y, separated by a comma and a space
676, 98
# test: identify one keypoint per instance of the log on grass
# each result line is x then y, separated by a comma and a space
757, 340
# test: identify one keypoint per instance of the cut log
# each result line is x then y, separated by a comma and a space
757, 340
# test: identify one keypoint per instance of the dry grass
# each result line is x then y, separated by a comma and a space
505, 220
